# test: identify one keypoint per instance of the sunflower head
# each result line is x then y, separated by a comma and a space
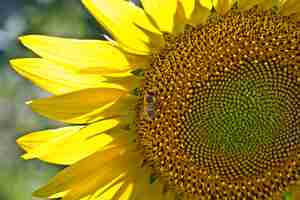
189, 99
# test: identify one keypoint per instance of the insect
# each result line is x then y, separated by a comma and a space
149, 105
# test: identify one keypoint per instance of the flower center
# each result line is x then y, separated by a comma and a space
240, 118
220, 107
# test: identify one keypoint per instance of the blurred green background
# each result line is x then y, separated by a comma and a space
68, 18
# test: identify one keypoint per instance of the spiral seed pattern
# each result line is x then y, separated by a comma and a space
225, 121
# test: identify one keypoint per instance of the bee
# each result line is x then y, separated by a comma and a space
149, 105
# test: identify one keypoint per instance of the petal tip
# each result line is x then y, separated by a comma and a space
86, 3
31, 38
39, 193
19, 140
25, 38
29, 102
26, 156
14, 63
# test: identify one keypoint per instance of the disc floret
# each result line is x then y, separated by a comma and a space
226, 117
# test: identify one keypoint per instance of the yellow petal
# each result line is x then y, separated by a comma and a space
223, 6
77, 107
124, 107
188, 7
54, 78
289, 7
143, 190
246, 4
36, 139
68, 145
180, 20
162, 12
91, 186
122, 19
109, 191
120, 191
126, 193
137, 62
208, 3
267, 4
129, 82
87, 176
78, 54
70, 176
200, 14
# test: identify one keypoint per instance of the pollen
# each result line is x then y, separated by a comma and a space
223, 102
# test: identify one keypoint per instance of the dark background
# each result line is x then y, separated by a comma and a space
67, 18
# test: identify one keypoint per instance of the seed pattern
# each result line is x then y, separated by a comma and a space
244, 118
226, 116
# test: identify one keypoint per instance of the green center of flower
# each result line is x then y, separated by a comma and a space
238, 116
242, 116
219, 114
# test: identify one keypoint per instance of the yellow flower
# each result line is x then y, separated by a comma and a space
190, 99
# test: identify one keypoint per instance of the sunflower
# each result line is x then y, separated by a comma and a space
185, 99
